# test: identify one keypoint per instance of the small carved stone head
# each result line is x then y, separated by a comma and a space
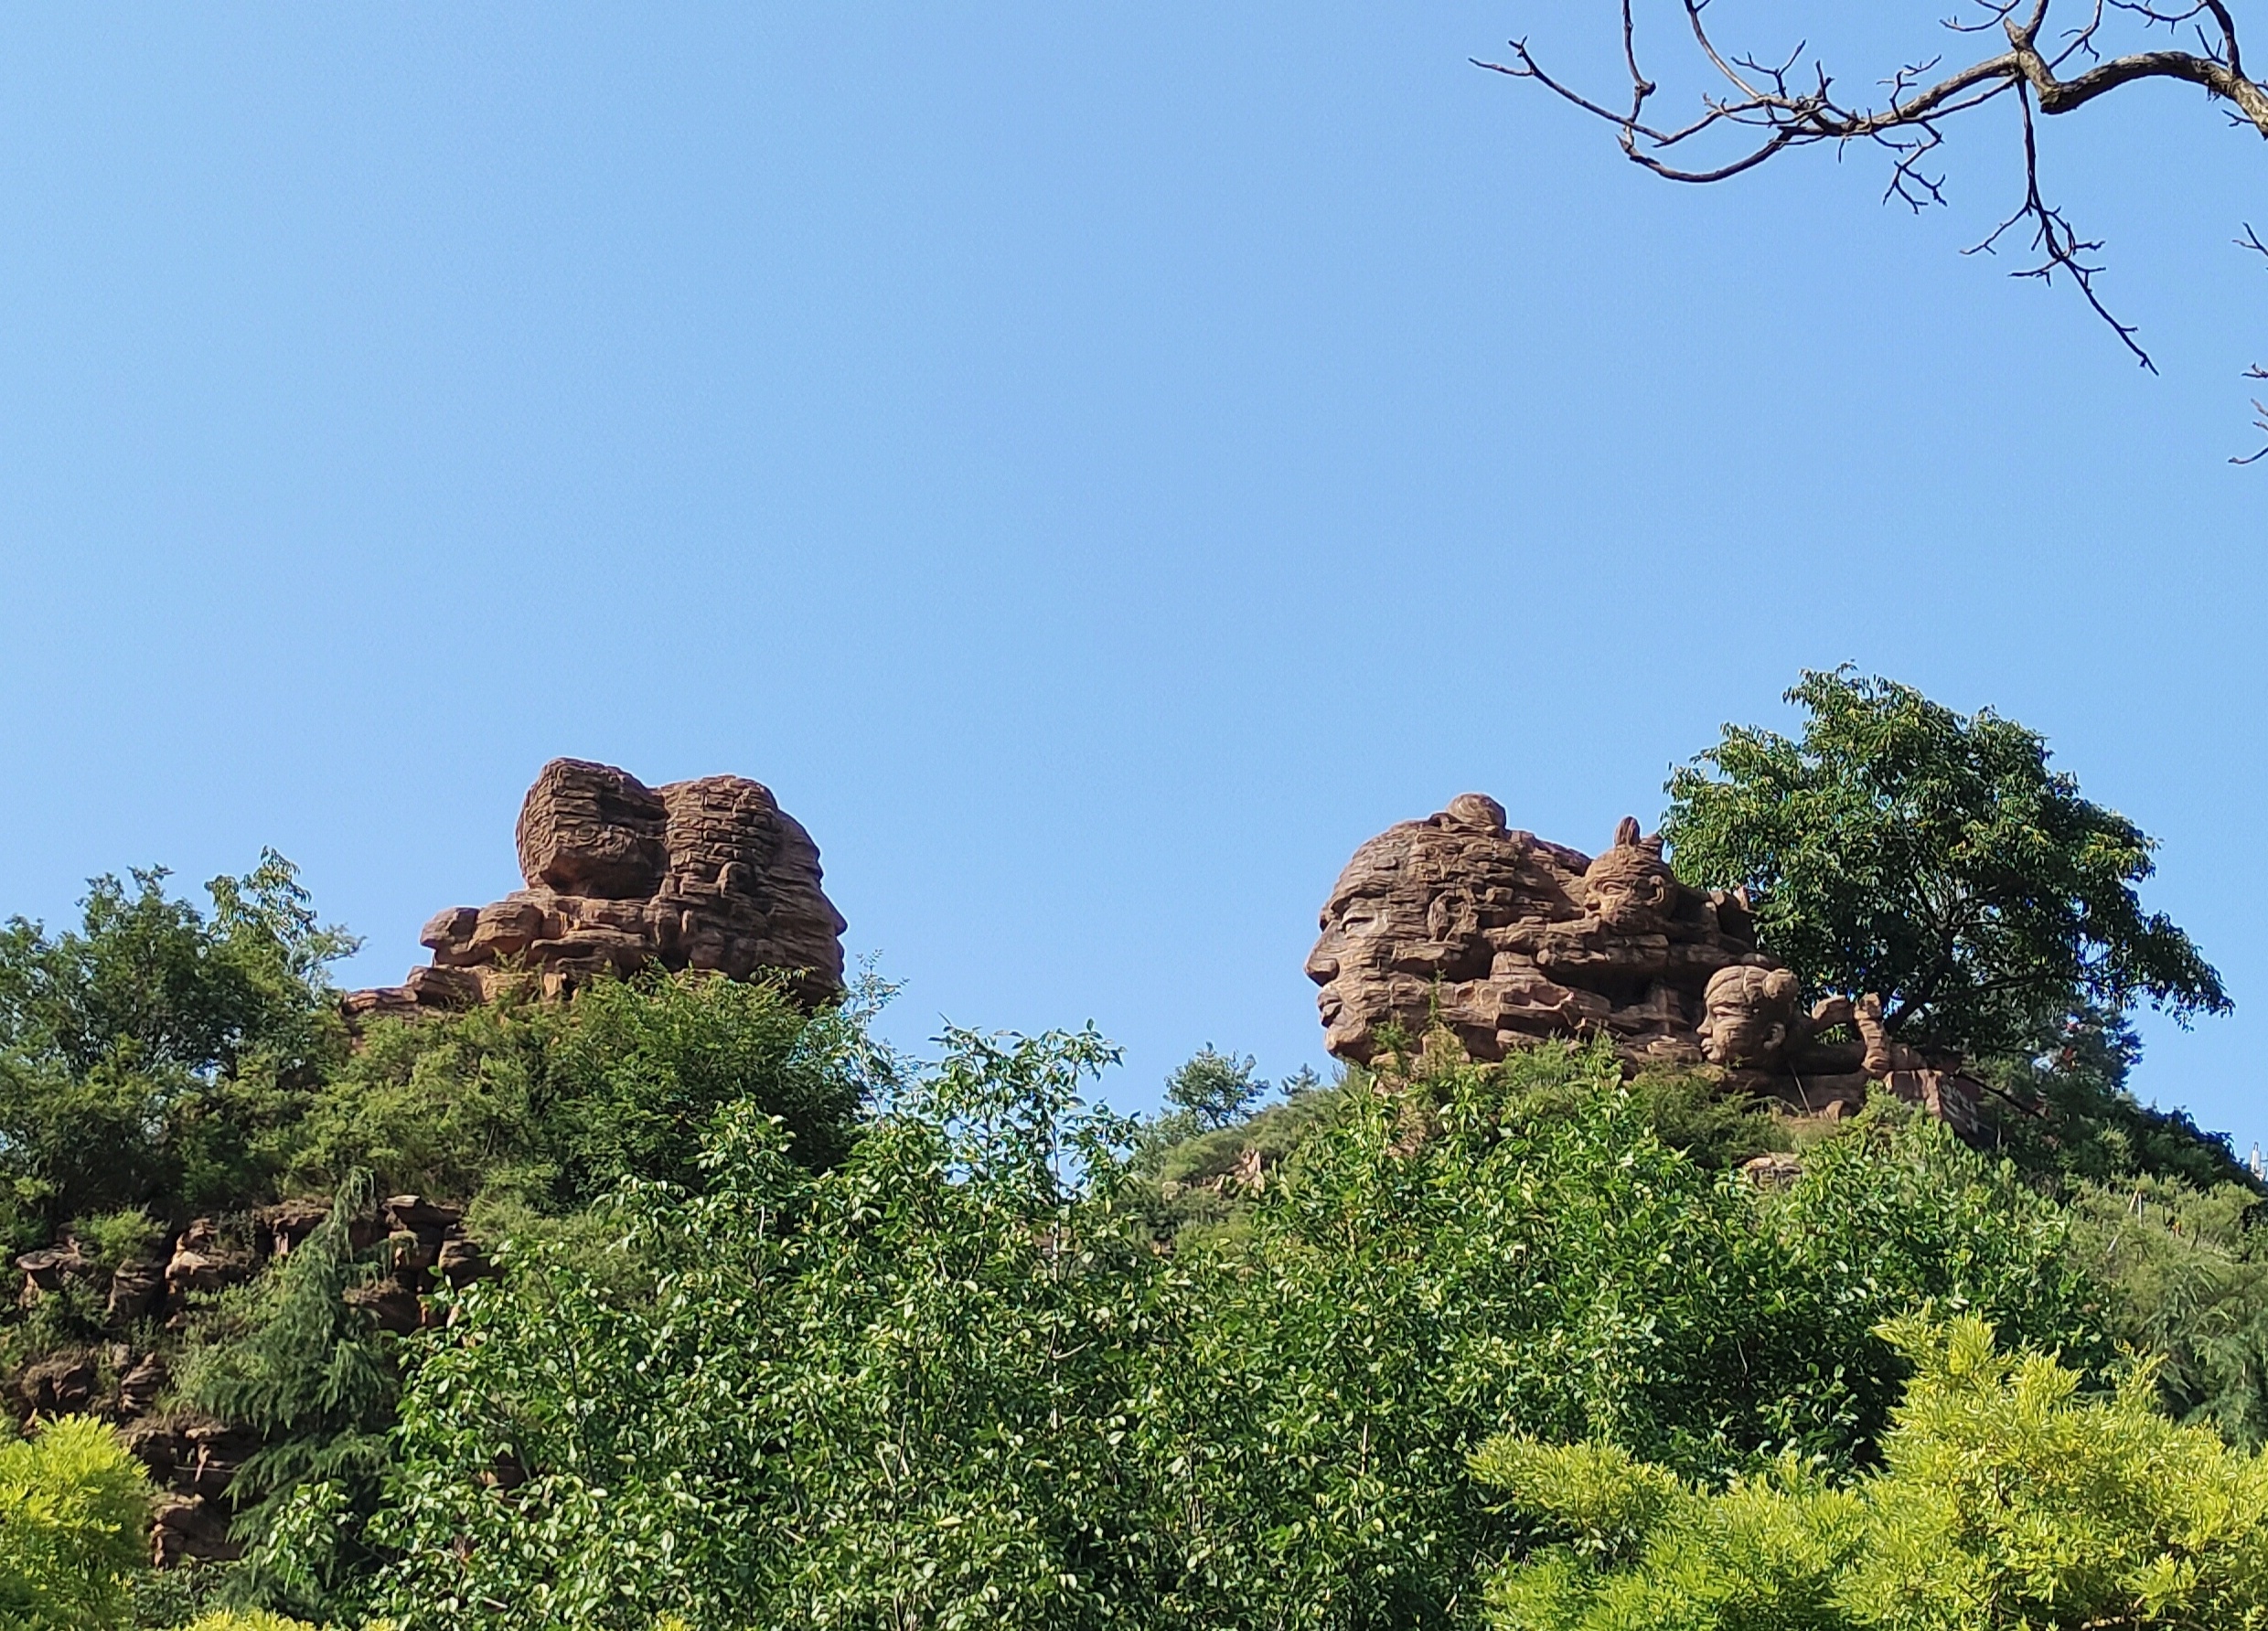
1749, 1013
1630, 888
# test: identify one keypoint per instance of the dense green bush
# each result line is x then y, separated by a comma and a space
553, 1103
74, 1512
289, 1358
2185, 1277
151, 1057
951, 1380
2007, 1499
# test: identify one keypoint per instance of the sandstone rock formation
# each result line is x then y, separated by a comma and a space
193, 1459
708, 874
1502, 938
1462, 922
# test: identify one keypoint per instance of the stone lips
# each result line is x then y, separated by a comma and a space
1462, 922
706, 874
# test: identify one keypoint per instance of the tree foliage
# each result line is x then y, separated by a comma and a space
1897, 846
554, 1105
2006, 1499
145, 1056
951, 1380
1215, 1088
289, 1358
73, 1510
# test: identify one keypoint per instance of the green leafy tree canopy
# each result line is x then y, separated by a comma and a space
1217, 1087
2008, 1497
1899, 848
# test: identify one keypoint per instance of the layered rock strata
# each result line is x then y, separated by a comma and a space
707, 874
192, 1459
1464, 924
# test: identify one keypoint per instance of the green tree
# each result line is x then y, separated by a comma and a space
1215, 1088
552, 1105
291, 1359
1898, 848
74, 1515
951, 1380
148, 1056
2184, 1273
881, 1394
2007, 1502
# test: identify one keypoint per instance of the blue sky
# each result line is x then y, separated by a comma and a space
1097, 464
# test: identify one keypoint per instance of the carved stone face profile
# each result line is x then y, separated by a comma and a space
1630, 888
1750, 1012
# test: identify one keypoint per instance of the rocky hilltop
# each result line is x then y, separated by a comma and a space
1502, 938
707, 874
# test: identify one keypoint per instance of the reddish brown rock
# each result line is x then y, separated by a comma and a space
135, 1289
160, 1446
203, 1261
140, 1389
707, 874
461, 1262
1503, 937
390, 1305
186, 1527
288, 1223
60, 1385
1460, 923
46, 1270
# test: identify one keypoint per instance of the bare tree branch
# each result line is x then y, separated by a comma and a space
1765, 108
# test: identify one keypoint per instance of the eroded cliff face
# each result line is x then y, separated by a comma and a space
148, 1301
706, 874
1462, 922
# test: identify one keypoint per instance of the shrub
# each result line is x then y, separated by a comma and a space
2006, 1499
74, 1517
291, 1359
952, 1380
551, 1104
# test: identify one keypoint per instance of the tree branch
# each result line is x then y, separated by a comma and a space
1775, 107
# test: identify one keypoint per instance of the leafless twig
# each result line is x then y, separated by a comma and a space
1764, 107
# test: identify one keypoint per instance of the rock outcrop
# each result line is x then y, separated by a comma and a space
1464, 924
707, 874
192, 1459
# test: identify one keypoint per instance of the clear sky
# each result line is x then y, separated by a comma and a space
1098, 463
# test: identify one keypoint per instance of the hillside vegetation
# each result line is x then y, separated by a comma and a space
743, 1320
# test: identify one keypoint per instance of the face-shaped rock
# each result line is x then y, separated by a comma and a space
1458, 924
709, 874
1750, 1012
1630, 889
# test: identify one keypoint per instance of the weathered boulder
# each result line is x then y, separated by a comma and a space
288, 1223
135, 1288
1462, 923
60, 1385
47, 1270
185, 1527
203, 1261
1503, 937
160, 1446
461, 1262
142, 1386
1774, 1170
706, 874
389, 1305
